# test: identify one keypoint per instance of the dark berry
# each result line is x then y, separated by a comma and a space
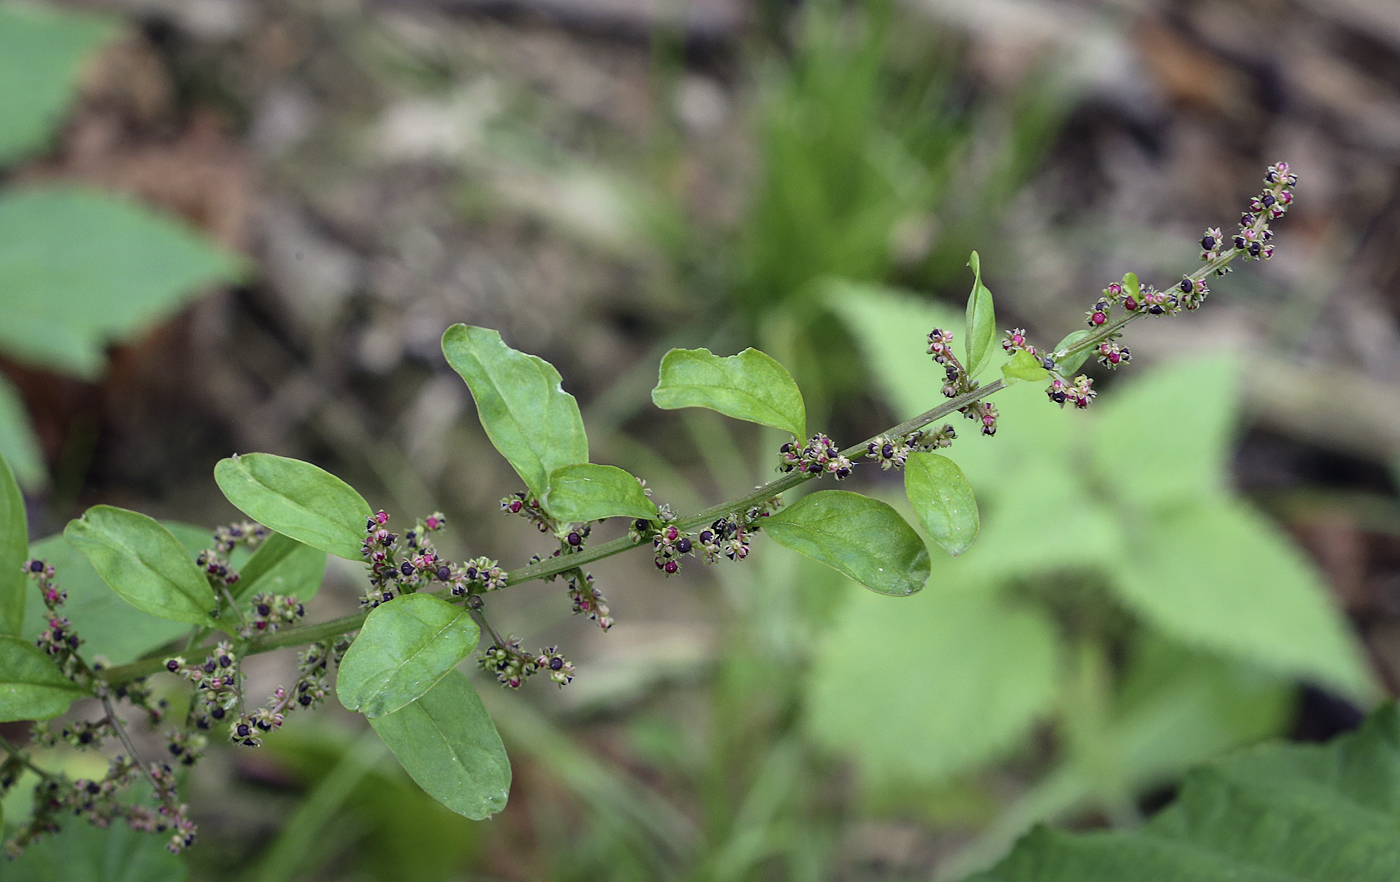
172, 666
36, 566
217, 713
556, 663
444, 573
1254, 249
1185, 286
243, 730
209, 667
406, 568
1208, 243
575, 539
225, 661
683, 546
706, 536
1268, 201
887, 451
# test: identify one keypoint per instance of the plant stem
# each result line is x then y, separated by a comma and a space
22, 757
304, 634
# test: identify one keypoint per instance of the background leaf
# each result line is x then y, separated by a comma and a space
282, 565
1072, 363
587, 492
14, 549
521, 403
942, 501
41, 55
297, 499
1024, 366
750, 386
140, 560
447, 743
1297, 812
981, 322
405, 647
1221, 577
111, 627
953, 679
18, 443
855, 535
79, 270
1165, 436
31, 685
81, 852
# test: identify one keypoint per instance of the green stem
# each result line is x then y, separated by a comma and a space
553, 566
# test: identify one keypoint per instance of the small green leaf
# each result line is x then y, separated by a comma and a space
405, 647
447, 743
750, 386
1132, 287
974, 673
31, 685
521, 403
1220, 577
41, 54
140, 560
80, 270
1024, 366
587, 492
981, 321
855, 535
1071, 363
297, 499
18, 443
14, 549
282, 565
942, 501
114, 629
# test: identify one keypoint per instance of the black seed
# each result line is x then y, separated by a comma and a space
1268, 201
85, 738
887, 451
217, 713
575, 539
1185, 286
556, 663
683, 546
786, 448
406, 568
444, 573
243, 730
36, 566
1254, 249
225, 661
172, 666
209, 667
264, 609
1155, 310
1208, 243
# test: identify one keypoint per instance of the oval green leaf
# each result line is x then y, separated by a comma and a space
588, 492
282, 565
405, 647
31, 685
297, 499
1070, 363
942, 500
1023, 366
521, 403
447, 743
144, 563
750, 386
856, 535
981, 321
1132, 287
14, 548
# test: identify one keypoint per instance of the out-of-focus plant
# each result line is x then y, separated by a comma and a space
79, 269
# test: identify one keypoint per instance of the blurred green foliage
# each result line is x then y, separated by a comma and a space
79, 269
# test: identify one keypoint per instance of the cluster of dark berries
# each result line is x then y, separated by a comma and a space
268, 612
892, 452
528, 507
58, 638
730, 536
670, 544
1079, 393
216, 568
587, 599
1254, 235
244, 533
396, 570
818, 456
572, 537
216, 681
512, 666
310, 689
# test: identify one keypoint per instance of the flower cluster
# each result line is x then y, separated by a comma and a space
1080, 392
819, 455
528, 507
395, 571
272, 611
670, 544
587, 599
216, 681
1254, 237
892, 452
512, 666
309, 691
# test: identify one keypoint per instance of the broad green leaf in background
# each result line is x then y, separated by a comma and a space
1221, 577
521, 403
405, 647
14, 549
1305, 813
1164, 437
81, 852
587, 492
18, 443
750, 386
1071, 363
1132, 287
31, 685
282, 565
447, 743
981, 322
41, 55
942, 501
80, 270
855, 535
297, 499
140, 560
111, 627
924, 688
1023, 366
